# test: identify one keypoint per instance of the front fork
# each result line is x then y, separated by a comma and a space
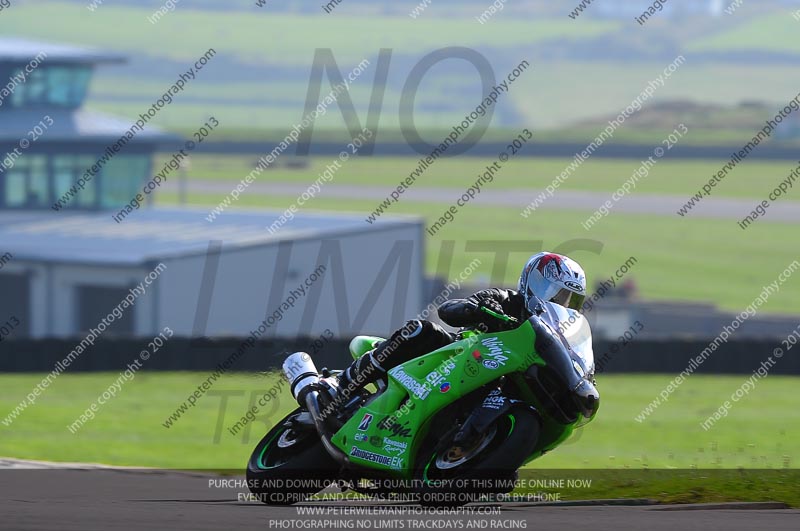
494, 405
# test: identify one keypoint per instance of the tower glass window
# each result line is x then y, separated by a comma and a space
25, 184
59, 86
123, 177
66, 171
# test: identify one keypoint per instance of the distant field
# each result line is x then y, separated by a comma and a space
552, 96
560, 93
753, 179
259, 78
774, 32
128, 430
258, 36
663, 245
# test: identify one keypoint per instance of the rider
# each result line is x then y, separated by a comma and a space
546, 276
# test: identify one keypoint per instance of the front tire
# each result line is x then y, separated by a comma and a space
453, 475
288, 465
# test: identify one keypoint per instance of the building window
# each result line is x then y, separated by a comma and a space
66, 171
123, 177
60, 86
26, 183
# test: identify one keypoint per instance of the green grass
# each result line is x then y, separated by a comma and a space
128, 430
757, 434
667, 247
753, 179
665, 486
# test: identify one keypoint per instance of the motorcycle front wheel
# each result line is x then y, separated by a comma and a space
451, 475
288, 465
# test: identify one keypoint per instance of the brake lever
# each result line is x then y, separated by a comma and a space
503, 317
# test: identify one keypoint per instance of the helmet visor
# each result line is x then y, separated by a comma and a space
569, 299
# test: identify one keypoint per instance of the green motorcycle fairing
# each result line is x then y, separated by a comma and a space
386, 433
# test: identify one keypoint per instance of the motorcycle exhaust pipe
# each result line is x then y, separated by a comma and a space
302, 375
303, 378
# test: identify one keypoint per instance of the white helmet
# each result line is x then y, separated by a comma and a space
553, 277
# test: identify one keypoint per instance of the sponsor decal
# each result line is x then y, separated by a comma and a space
444, 387
421, 391
574, 285
491, 364
397, 429
436, 377
394, 447
497, 350
494, 401
360, 437
386, 460
471, 369
365, 422
375, 440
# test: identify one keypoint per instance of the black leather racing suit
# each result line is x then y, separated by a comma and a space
418, 337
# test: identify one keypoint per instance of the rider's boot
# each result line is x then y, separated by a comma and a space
412, 339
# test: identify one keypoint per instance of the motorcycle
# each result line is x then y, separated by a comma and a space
446, 427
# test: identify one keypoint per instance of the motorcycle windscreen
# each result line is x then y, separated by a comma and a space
575, 328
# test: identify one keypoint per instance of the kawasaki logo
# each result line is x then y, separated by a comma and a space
394, 447
417, 389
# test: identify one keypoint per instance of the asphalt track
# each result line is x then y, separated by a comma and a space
783, 210
128, 499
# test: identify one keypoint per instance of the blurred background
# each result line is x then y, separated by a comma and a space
712, 73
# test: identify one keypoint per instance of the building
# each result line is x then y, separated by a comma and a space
69, 271
63, 271
49, 140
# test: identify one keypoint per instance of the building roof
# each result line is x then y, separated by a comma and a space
151, 234
76, 126
23, 51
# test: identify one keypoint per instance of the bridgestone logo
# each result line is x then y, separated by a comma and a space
369, 456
